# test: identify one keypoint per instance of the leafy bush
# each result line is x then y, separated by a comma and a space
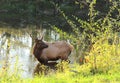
104, 57
85, 33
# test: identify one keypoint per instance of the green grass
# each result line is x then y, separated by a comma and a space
64, 78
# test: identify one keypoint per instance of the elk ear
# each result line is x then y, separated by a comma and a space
36, 40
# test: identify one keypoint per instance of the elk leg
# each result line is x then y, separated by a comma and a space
45, 62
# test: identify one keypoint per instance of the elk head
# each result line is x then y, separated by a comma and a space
40, 44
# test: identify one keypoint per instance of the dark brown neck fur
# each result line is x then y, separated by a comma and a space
37, 52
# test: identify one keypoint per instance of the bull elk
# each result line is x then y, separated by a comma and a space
46, 51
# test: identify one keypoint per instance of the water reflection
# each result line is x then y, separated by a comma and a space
15, 52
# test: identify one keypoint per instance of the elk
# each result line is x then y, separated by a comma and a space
46, 51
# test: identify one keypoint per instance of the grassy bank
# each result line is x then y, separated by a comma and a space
67, 77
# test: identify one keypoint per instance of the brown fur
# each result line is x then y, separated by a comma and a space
54, 51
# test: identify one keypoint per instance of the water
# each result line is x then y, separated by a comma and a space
16, 51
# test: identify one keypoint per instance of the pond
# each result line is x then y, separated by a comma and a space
16, 49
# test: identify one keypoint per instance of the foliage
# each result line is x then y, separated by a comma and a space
37, 12
98, 43
41, 69
86, 33
62, 66
104, 57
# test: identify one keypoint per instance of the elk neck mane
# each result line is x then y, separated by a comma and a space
37, 52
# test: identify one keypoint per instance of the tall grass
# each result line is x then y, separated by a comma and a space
82, 76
